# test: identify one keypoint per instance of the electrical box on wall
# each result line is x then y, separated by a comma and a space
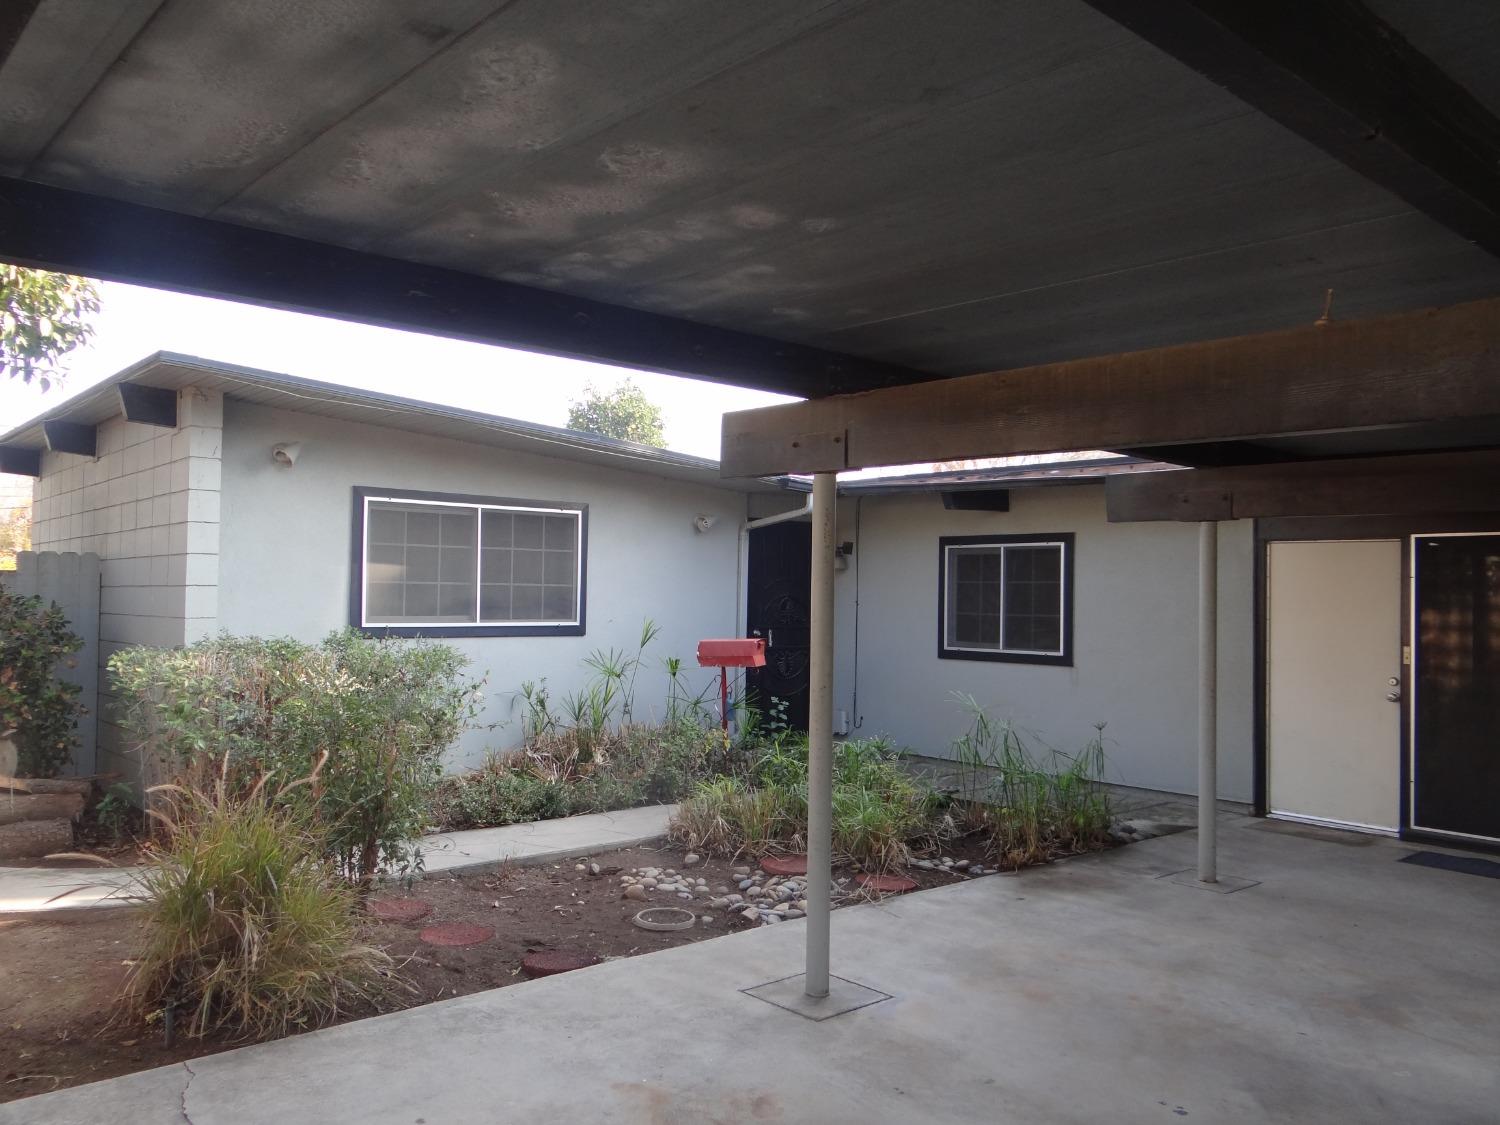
841, 722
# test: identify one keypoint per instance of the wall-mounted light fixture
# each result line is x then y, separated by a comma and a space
702, 523
285, 454
841, 555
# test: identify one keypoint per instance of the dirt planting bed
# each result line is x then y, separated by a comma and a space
59, 973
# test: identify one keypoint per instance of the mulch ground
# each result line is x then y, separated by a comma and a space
59, 974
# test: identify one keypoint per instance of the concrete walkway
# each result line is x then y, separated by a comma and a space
544, 840
1345, 987
75, 888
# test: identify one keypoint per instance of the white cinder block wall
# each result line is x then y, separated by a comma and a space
1134, 637
148, 505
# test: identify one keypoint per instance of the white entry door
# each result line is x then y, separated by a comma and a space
1333, 646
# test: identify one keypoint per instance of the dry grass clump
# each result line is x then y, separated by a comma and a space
1033, 804
249, 929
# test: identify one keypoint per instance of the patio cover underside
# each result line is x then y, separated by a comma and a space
810, 198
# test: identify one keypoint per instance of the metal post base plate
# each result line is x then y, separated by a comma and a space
843, 996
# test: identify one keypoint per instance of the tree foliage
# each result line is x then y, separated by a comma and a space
42, 709
625, 413
43, 317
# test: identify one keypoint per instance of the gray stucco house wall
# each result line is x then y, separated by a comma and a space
200, 529
285, 546
1134, 626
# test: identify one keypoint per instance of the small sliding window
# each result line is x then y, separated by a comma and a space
1006, 598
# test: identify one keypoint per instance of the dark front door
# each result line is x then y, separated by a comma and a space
776, 608
1456, 725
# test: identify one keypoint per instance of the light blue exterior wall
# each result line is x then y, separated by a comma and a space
1134, 637
286, 549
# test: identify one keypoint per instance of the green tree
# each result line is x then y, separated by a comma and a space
43, 316
625, 413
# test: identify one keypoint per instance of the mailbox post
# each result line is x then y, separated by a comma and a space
733, 652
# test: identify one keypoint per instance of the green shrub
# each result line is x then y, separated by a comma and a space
114, 813
592, 750
368, 719
1033, 804
497, 795
637, 765
41, 709
879, 810
249, 930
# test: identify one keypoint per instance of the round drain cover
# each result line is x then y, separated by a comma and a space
784, 865
550, 962
457, 933
398, 909
665, 918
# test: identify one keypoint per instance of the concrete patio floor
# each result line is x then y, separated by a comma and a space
1345, 987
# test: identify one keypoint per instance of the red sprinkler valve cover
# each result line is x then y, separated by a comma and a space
736, 652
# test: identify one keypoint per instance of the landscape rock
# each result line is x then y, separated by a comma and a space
635, 893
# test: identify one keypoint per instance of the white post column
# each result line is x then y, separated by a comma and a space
1208, 705
820, 736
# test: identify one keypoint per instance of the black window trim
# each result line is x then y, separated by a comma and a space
1065, 539
363, 493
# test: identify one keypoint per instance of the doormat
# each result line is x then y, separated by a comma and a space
1467, 864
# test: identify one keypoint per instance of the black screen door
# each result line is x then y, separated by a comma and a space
1456, 713
777, 596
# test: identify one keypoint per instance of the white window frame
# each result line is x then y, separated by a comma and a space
479, 507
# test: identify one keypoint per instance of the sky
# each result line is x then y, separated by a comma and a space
135, 321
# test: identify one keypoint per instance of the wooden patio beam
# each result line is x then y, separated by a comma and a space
1413, 484
1432, 365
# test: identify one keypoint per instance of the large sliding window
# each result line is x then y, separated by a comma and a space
1006, 597
473, 566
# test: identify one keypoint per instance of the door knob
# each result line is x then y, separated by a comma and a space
1393, 696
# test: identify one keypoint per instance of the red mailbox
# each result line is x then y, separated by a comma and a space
733, 652
736, 652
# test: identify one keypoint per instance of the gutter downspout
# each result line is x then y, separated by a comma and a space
1208, 690
742, 567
